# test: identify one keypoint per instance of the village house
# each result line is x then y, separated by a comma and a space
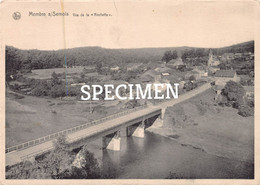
133, 66
181, 84
176, 63
146, 79
165, 74
218, 89
248, 56
249, 91
150, 76
163, 82
76, 66
162, 69
252, 55
114, 68
157, 77
228, 56
238, 55
202, 72
195, 74
78, 84
212, 69
223, 76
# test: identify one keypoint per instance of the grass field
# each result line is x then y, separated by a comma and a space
217, 130
30, 117
46, 73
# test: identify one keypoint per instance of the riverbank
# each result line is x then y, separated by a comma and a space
202, 124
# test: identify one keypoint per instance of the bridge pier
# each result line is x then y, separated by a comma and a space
158, 122
136, 130
162, 113
112, 141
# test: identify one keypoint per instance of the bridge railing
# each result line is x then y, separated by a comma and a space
70, 130
104, 129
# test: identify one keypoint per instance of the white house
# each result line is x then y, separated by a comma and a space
115, 68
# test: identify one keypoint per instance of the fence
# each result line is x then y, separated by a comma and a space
70, 130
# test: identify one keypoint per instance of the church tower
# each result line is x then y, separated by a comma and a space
210, 61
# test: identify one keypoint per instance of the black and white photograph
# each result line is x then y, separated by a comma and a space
129, 90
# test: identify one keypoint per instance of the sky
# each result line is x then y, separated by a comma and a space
136, 24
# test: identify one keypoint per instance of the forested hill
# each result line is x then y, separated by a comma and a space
37, 59
237, 48
17, 59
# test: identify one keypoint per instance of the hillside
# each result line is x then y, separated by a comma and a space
203, 125
237, 48
17, 59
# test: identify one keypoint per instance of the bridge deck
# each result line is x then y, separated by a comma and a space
18, 155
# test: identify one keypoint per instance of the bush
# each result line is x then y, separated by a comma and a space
57, 164
58, 91
85, 166
189, 86
40, 89
192, 78
223, 101
234, 93
74, 91
246, 111
251, 103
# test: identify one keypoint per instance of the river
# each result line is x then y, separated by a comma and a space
155, 157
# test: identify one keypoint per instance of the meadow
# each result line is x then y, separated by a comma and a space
29, 117
46, 73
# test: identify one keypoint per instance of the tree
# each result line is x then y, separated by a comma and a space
55, 79
99, 65
57, 91
251, 102
50, 165
245, 111
234, 93
192, 78
90, 165
169, 55
189, 86
41, 89
20, 171
82, 75
60, 159
86, 166
12, 63
58, 164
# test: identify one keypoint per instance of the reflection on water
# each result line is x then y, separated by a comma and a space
155, 157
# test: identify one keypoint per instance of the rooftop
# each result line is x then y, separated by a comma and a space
249, 88
176, 62
225, 73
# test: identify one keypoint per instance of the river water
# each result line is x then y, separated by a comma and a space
155, 157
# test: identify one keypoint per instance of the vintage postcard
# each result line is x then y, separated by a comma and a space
129, 92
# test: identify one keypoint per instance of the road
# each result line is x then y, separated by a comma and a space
17, 156
185, 96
